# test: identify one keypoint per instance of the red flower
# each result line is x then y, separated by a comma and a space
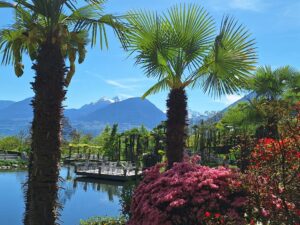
266, 141
217, 215
207, 214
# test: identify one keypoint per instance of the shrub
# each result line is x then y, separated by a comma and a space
188, 194
273, 178
104, 221
11, 163
273, 181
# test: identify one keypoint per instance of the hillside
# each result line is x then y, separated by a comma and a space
90, 118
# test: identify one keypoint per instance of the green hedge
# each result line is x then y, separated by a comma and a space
104, 221
20, 163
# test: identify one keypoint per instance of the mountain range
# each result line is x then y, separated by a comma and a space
90, 118
93, 117
250, 96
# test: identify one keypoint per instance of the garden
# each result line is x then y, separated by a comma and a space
238, 166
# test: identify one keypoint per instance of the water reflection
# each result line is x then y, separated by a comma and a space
80, 198
70, 183
113, 189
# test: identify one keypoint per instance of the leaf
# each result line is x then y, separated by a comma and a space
228, 66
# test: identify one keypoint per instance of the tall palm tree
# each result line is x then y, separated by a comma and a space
180, 49
49, 36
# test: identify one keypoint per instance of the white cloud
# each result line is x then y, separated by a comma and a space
128, 83
232, 98
125, 96
229, 99
117, 84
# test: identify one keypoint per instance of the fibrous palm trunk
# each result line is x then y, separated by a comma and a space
42, 191
176, 125
272, 128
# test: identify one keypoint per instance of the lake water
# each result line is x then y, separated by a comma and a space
81, 199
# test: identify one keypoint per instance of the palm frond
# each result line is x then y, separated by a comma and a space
161, 85
171, 44
192, 30
75, 45
228, 66
90, 17
5, 4
148, 40
12, 46
273, 83
38, 21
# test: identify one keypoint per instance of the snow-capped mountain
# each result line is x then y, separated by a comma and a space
90, 118
195, 117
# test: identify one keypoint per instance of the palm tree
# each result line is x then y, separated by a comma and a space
49, 36
270, 87
272, 84
181, 50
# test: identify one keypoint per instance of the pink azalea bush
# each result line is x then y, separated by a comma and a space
188, 194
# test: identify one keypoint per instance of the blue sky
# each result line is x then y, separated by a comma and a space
273, 23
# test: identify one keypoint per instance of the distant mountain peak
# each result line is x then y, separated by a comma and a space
195, 117
103, 99
193, 114
116, 99
107, 99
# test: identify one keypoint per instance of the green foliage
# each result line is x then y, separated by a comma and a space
126, 198
242, 117
128, 145
110, 143
11, 143
14, 143
273, 84
104, 221
85, 139
102, 139
42, 21
11, 163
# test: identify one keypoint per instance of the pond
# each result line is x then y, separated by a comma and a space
80, 198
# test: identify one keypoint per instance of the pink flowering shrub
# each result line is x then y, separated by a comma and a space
188, 194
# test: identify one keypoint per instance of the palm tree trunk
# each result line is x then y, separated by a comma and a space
176, 124
272, 128
41, 202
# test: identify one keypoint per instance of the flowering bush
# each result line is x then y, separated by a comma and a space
188, 194
273, 178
